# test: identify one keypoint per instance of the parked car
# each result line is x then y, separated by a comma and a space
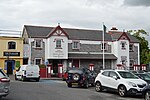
121, 81
80, 76
144, 76
4, 84
26, 72
146, 92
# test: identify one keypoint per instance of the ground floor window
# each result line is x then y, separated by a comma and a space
38, 61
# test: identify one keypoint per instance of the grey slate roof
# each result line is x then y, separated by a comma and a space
91, 56
77, 34
74, 34
37, 31
116, 34
83, 34
132, 38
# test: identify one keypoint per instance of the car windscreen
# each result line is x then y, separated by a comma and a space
128, 75
144, 76
75, 71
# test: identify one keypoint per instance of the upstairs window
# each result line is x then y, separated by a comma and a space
11, 45
123, 45
104, 46
131, 47
38, 43
75, 45
58, 43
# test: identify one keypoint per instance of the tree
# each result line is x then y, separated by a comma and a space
144, 48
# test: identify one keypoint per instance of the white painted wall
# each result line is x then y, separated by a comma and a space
123, 52
54, 53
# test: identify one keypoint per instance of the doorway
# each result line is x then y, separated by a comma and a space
10, 66
55, 63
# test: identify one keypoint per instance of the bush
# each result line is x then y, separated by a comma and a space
42, 66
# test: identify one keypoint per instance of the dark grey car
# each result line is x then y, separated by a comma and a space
81, 77
4, 84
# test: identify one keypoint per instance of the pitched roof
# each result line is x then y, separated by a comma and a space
37, 31
117, 34
77, 34
83, 34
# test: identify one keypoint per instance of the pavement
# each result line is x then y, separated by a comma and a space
12, 77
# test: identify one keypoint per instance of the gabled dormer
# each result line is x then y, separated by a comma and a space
124, 37
57, 31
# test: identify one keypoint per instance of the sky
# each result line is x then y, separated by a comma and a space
87, 14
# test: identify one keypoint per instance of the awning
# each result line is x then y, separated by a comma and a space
91, 56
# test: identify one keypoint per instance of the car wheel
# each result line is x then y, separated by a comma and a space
147, 95
98, 87
16, 77
92, 84
122, 91
69, 85
23, 78
86, 85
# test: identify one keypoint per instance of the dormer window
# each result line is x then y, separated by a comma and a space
104, 46
38, 43
75, 45
11, 45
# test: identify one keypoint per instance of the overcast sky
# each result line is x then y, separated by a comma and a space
123, 14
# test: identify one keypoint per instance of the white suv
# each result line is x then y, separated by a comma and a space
122, 81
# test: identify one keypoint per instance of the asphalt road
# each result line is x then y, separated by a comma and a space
57, 90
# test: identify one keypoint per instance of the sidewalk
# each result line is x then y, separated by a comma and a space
12, 77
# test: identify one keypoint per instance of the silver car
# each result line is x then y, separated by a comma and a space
4, 84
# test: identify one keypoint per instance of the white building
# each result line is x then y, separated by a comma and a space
79, 47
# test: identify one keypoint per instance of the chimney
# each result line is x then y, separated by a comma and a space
114, 29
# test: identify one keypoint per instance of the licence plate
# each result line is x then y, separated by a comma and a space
74, 83
29, 74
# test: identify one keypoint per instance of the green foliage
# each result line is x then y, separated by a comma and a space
144, 49
42, 66
17, 64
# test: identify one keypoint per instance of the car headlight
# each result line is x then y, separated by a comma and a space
132, 84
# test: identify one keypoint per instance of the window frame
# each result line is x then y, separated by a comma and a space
75, 44
35, 62
131, 47
105, 46
58, 43
35, 43
11, 46
123, 45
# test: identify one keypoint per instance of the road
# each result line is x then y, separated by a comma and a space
57, 90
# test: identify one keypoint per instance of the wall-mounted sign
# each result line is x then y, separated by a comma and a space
11, 53
58, 54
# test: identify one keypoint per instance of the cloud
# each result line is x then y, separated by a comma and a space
137, 2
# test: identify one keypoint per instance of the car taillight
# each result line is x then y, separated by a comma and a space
4, 80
